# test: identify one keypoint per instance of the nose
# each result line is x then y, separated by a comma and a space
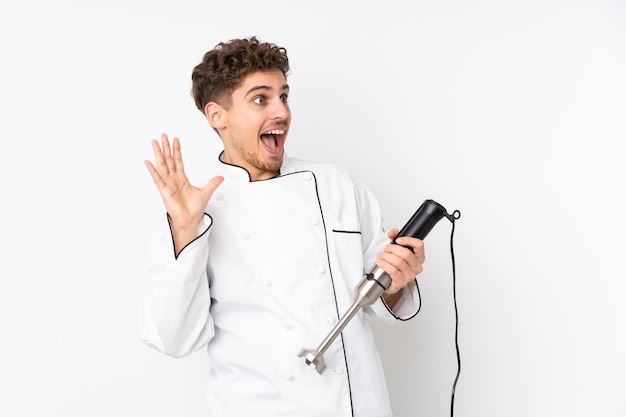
280, 110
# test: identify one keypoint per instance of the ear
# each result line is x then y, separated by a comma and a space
216, 115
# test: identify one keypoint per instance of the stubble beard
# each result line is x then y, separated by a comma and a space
272, 165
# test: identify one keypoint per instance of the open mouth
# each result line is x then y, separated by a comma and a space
273, 140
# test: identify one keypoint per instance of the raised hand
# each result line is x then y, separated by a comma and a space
184, 202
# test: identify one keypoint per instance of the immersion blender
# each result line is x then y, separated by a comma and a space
376, 281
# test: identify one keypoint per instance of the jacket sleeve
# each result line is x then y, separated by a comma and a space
175, 317
374, 238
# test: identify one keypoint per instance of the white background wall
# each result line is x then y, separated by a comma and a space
512, 112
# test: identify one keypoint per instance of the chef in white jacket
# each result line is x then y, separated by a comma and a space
264, 259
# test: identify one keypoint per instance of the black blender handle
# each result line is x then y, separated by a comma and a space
423, 220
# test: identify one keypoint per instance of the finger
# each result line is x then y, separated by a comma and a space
397, 261
159, 159
404, 259
415, 245
167, 153
178, 157
151, 168
156, 177
156, 150
393, 233
400, 277
406, 252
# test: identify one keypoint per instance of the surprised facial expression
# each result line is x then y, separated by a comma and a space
254, 128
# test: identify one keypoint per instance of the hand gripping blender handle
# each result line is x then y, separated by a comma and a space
418, 226
374, 283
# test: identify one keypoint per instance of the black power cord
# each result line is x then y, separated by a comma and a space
455, 216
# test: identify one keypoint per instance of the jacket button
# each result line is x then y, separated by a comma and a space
245, 236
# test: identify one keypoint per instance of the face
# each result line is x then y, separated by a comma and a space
254, 128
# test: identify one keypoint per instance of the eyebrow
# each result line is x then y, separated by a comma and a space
285, 87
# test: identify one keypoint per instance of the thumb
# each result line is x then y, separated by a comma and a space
212, 185
393, 233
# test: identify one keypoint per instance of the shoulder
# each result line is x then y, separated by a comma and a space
332, 180
322, 170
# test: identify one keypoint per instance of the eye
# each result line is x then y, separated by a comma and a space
284, 98
259, 100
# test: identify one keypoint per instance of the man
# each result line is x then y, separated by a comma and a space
264, 259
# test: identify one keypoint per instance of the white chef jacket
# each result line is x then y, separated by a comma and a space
274, 267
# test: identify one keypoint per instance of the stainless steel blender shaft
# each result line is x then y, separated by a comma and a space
367, 292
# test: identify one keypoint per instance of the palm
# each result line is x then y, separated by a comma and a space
184, 202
